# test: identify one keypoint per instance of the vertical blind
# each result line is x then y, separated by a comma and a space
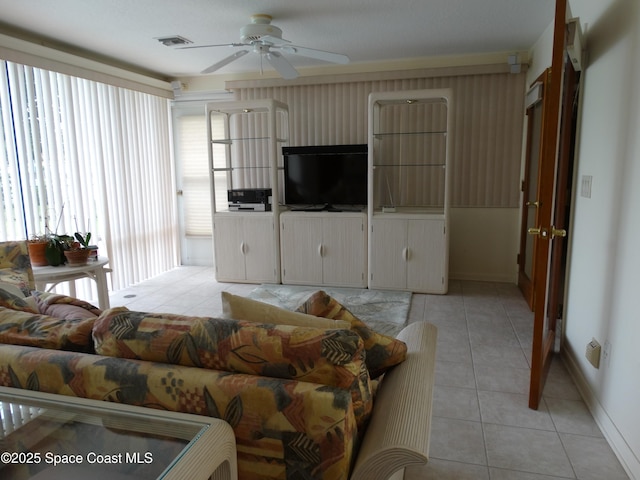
77, 155
488, 113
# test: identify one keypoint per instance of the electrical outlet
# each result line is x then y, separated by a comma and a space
593, 353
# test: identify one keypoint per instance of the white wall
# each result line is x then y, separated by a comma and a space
604, 257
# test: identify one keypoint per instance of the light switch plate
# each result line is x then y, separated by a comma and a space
585, 189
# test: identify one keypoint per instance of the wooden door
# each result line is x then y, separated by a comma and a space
562, 205
548, 236
535, 114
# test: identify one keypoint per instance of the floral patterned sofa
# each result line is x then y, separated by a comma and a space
312, 394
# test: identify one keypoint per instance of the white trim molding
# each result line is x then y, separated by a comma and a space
612, 435
40, 56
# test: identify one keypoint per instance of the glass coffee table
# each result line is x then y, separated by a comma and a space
50, 437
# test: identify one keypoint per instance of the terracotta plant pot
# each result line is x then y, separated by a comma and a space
37, 253
77, 257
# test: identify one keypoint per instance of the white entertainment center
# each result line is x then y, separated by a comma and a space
398, 240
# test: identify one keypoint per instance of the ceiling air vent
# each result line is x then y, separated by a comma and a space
173, 41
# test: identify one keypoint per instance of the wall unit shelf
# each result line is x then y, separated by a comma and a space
408, 202
245, 140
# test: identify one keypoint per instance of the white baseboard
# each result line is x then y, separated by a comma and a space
483, 277
614, 438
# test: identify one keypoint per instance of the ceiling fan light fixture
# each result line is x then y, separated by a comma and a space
259, 27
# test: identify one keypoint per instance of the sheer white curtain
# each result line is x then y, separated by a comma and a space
77, 155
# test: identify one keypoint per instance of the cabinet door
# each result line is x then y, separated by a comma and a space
426, 257
388, 253
301, 242
258, 246
228, 236
344, 251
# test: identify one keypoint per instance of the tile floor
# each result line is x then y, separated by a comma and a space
482, 428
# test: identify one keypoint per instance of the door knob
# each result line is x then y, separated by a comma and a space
540, 232
532, 204
558, 232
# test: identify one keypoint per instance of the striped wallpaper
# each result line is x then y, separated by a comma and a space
488, 115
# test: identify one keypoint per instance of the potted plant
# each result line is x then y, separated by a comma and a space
85, 241
55, 249
37, 246
77, 248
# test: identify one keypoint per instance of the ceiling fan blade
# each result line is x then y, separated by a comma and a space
217, 45
281, 64
319, 54
225, 61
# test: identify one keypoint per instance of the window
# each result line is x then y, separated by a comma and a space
78, 155
191, 140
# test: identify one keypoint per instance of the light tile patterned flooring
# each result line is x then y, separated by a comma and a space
482, 428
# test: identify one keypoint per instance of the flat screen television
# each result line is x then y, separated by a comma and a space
327, 177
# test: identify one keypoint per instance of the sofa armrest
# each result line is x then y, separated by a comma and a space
399, 429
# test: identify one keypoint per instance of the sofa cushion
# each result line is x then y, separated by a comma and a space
11, 276
9, 298
330, 357
26, 328
283, 428
383, 351
242, 308
63, 306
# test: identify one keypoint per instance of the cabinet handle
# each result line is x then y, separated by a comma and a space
405, 254
320, 250
243, 249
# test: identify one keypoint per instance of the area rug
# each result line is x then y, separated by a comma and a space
383, 310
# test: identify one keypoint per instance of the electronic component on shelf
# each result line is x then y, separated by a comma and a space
250, 199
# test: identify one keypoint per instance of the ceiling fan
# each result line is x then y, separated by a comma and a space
266, 40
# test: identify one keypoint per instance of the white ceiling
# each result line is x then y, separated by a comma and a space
365, 30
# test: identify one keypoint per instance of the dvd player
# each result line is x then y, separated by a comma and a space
250, 199
249, 207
